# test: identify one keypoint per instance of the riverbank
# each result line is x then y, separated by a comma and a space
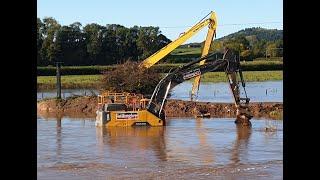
93, 81
86, 106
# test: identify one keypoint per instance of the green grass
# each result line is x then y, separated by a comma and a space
181, 53
160, 68
248, 76
69, 81
185, 51
73, 70
93, 81
269, 59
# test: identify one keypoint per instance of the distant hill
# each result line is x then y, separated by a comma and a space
250, 43
251, 34
258, 33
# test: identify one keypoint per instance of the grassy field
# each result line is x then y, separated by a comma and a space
160, 68
181, 53
89, 76
69, 81
92, 81
248, 76
184, 51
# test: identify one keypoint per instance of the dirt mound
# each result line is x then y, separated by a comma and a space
179, 108
130, 77
86, 106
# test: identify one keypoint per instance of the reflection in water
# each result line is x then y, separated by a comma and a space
142, 139
58, 123
184, 149
270, 130
58, 136
204, 147
241, 143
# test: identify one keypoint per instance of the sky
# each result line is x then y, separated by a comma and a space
172, 16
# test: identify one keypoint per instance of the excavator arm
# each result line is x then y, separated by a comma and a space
231, 66
211, 22
210, 35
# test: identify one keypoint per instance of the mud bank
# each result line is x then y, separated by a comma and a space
179, 108
85, 106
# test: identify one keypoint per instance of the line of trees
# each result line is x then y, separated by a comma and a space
95, 44
253, 43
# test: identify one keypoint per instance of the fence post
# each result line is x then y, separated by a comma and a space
58, 75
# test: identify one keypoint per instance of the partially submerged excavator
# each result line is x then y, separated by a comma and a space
150, 112
154, 115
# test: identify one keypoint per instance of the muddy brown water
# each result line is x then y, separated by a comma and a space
73, 148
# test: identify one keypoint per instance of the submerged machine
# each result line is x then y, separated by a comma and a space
116, 109
210, 22
117, 114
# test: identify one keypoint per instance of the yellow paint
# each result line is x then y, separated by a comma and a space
205, 51
143, 117
157, 56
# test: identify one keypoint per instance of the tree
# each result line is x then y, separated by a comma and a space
258, 49
240, 45
216, 46
247, 55
109, 48
50, 50
150, 40
123, 43
93, 40
274, 49
39, 41
94, 44
251, 42
70, 41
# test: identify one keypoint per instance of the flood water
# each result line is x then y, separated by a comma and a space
266, 91
213, 148
66, 93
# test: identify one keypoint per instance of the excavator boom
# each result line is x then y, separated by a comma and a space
229, 63
157, 56
205, 51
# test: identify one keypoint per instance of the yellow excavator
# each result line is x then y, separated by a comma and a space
211, 22
150, 112
117, 114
